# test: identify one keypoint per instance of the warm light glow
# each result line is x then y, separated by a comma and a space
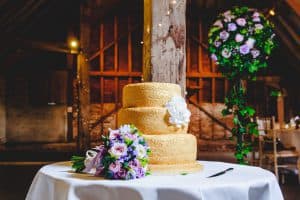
173, 1
272, 12
73, 44
142, 42
159, 24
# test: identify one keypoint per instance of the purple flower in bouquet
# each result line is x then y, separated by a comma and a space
224, 35
241, 21
121, 174
255, 53
244, 49
226, 53
214, 57
239, 37
114, 134
250, 42
115, 166
123, 155
232, 27
118, 149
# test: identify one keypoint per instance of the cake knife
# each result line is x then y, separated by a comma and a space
220, 173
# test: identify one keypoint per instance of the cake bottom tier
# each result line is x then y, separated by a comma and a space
175, 168
172, 148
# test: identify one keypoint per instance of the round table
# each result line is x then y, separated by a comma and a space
58, 182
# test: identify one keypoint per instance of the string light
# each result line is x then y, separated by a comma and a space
173, 1
74, 44
272, 12
159, 24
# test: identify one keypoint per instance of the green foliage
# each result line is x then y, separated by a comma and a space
78, 163
238, 65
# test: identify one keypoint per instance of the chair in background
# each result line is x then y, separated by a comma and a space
273, 155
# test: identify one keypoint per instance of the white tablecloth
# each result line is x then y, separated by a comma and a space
58, 182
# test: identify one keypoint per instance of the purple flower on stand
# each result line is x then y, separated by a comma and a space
217, 43
250, 42
241, 21
258, 26
214, 57
224, 35
255, 53
244, 49
232, 27
239, 37
256, 19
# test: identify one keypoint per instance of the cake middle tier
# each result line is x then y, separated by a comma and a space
172, 148
149, 120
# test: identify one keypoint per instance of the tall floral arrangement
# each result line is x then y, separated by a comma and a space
240, 42
124, 154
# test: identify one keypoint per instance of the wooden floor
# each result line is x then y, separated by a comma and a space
15, 180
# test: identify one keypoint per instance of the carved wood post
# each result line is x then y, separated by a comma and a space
168, 38
83, 81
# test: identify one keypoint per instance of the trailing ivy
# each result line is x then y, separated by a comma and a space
240, 42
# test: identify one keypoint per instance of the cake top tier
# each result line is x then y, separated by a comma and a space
149, 94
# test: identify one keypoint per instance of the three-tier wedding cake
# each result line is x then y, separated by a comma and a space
160, 112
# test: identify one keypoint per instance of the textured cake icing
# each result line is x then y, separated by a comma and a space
149, 120
149, 94
172, 148
149, 107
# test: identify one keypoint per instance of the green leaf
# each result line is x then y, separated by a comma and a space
184, 173
78, 163
235, 120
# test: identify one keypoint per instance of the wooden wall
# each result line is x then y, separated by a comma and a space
2, 110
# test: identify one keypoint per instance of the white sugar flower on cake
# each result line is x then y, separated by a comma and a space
179, 113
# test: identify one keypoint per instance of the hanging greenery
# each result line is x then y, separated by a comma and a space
240, 42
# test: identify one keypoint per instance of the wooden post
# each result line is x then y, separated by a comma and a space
168, 40
83, 81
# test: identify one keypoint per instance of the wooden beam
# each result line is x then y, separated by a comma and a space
83, 87
168, 41
147, 40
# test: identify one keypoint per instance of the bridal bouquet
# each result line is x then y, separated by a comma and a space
123, 155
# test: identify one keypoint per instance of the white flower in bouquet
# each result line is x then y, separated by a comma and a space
125, 129
226, 53
89, 157
141, 151
239, 37
241, 21
118, 149
250, 43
